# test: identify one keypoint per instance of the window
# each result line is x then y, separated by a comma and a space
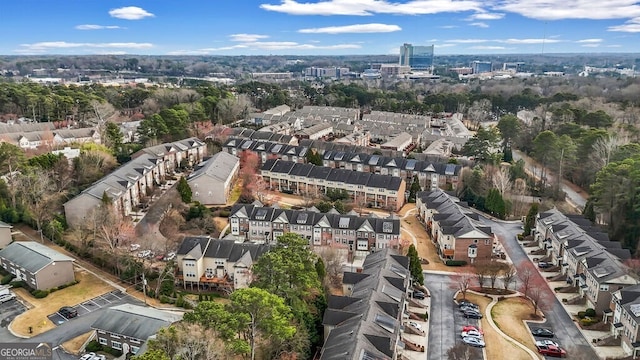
486, 241
134, 350
604, 287
102, 341
116, 345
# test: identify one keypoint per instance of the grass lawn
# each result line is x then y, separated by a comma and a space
73, 346
497, 346
235, 193
88, 287
509, 314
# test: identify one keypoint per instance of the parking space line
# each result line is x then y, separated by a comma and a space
84, 307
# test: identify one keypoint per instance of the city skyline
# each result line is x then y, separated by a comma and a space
323, 27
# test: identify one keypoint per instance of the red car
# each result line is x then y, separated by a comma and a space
550, 350
471, 328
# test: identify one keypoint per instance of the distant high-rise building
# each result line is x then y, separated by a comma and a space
417, 57
479, 67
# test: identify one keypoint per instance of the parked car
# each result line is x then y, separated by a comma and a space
473, 333
469, 308
415, 325
553, 351
99, 357
7, 297
473, 341
170, 256
541, 343
472, 314
145, 254
544, 265
472, 328
88, 356
466, 303
418, 295
542, 332
68, 312
134, 247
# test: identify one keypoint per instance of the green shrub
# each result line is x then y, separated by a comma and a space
588, 321
582, 314
17, 284
225, 213
93, 346
455, 263
112, 351
590, 312
6, 279
39, 294
425, 316
166, 300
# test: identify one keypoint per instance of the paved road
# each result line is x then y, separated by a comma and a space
578, 199
567, 333
445, 320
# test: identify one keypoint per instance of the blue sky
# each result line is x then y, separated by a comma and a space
317, 27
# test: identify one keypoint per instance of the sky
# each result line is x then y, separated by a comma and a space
317, 27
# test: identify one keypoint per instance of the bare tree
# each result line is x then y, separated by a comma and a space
36, 194
463, 282
167, 274
333, 261
508, 276
461, 351
482, 270
478, 111
526, 279
501, 180
493, 271
603, 148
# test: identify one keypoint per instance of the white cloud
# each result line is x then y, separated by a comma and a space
486, 16
571, 9
247, 37
486, 47
589, 41
479, 24
267, 45
371, 7
97, 27
448, 26
357, 29
130, 13
52, 45
437, 46
530, 41
590, 45
467, 41
631, 26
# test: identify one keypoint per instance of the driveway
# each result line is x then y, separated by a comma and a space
445, 319
567, 333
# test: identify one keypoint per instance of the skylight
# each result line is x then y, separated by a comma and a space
261, 214
302, 218
387, 227
344, 223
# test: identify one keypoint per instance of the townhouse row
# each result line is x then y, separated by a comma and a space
454, 228
359, 235
364, 189
127, 186
431, 173
598, 268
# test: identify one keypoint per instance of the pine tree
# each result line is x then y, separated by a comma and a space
184, 190
414, 265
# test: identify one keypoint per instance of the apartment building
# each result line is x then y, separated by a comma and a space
379, 191
366, 322
128, 185
39, 266
454, 228
204, 262
212, 181
585, 254
360, 235
624, 317
431, 173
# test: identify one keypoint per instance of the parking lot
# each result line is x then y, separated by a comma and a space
9, 310
89, 305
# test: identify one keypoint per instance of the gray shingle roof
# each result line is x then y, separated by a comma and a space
134, 321
219, 167
31, 255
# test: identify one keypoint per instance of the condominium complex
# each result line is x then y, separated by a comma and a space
374, 190
359, 235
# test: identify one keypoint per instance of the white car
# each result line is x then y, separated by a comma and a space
170, 256
134, 247
542, 343
472, 333
7, 297
415, 325
473, 341
88, 356
144, 253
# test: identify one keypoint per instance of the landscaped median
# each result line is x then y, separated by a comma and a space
496, 344
510, 315
35, 318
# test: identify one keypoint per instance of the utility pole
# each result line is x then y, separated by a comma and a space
144, 287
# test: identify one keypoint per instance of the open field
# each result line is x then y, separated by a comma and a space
88, 287
509, 314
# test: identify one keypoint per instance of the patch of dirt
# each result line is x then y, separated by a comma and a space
89, 286
74, 345
508, 314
